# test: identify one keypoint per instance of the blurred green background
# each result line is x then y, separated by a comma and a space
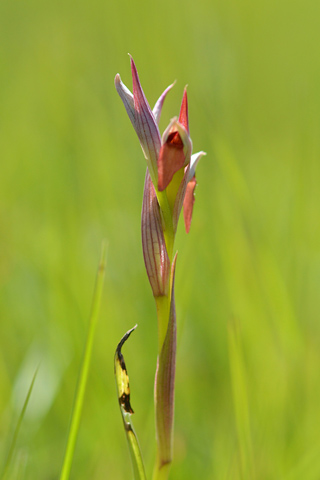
248, 274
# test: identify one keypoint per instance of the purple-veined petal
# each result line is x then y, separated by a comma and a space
146, 126
188, 176
164, 385
158, 106
126, 97
153, 244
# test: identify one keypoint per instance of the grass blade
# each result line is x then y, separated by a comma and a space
83, 376
17, 429
240, 397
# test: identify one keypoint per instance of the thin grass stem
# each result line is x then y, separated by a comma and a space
83, 376
17, 429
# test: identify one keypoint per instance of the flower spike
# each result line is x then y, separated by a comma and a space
169, 185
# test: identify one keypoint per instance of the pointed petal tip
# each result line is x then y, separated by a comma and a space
183, 117
134, 71
117, 80
196, 156
170, 86
133, 65
174, 261
194, 162
159, 104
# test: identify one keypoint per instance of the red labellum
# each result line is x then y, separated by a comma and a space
174, 140
171, 159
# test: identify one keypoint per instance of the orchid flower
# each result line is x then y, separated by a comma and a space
169, 186
167, 156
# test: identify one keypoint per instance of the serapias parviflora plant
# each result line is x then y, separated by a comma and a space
169, 186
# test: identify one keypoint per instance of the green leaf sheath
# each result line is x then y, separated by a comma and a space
164, 392
123, 391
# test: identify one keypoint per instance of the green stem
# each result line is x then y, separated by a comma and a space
161, 473
163, 304
164, 383
163, 311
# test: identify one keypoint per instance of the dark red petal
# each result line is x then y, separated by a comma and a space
183, 117
188, 203
171, 159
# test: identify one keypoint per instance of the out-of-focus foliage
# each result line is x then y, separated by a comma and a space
72, 173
